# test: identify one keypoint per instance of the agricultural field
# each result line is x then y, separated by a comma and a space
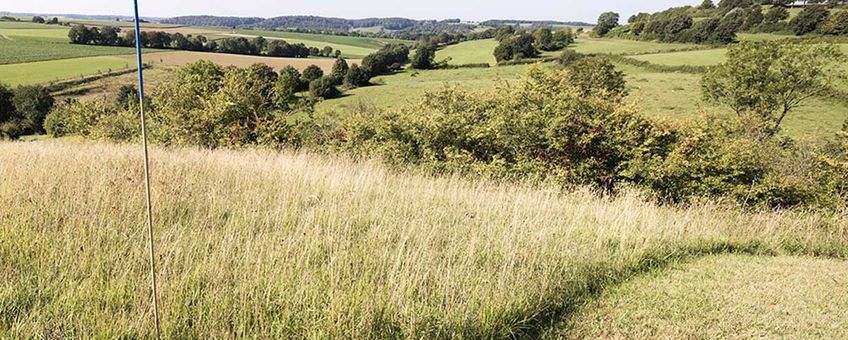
41, 72
469, 52
734, 296
27, 42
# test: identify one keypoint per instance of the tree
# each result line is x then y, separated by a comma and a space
127, 94
425, 56
606, 22
597, 76
340, 69
327, 51
707, 4
79, 34
356, 77
323, 87
288, 84
776, 14
809, 19
765, 81
544, 39
38, 20
108, 36
563, 38
7, 109
312, 73
836, 24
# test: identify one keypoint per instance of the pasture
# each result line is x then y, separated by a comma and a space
40, 72
275, 245
733, 296
587, 45
469, 52
693, 58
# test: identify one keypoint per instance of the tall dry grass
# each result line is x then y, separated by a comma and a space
288, 245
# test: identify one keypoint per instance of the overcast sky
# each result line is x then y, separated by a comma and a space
561, 10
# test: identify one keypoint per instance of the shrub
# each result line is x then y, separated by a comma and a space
568, 57
340, 69
311, 73
356, 77
325, 87
546, 127
809, 19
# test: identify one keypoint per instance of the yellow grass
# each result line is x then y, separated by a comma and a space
282, 245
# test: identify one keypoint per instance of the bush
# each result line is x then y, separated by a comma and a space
22, 110
325, 87
809, 19
311, 73
546, 127
356, 77
569, 57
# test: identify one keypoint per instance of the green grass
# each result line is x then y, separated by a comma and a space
469, 52
408, 86
259, 244
677, 96
693, 58
626, 47
740, 297
54, 70
27, 42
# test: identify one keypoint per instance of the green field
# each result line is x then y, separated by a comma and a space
27, 42
409, 86
55, 70
469, 52
735, 296
626, 47
677, 96
693, 58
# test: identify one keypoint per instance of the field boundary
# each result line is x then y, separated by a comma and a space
56, 87
656, 67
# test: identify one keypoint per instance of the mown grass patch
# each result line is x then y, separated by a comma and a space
730, 296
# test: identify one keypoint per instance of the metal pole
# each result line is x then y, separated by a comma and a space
146, 169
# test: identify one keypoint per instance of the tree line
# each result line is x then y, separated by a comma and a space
719, 24
518, 43
111, 36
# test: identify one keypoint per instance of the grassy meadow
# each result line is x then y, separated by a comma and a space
469, 52
278, 245
588, 45
27, 42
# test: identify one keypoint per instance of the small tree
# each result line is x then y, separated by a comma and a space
771, 79
424, 58
606, 22
707, 4
809, 19
38, 20
323, 87
776, 14
544, 39
311, 73
340, 69
356, 77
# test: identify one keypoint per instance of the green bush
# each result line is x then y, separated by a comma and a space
546, 127
324, 87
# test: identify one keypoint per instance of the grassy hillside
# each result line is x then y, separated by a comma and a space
470, 52
268, 245
693, 58
626, 47
733, 297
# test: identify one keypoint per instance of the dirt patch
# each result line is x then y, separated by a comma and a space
178, 58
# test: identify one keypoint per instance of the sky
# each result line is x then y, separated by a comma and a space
560, 10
